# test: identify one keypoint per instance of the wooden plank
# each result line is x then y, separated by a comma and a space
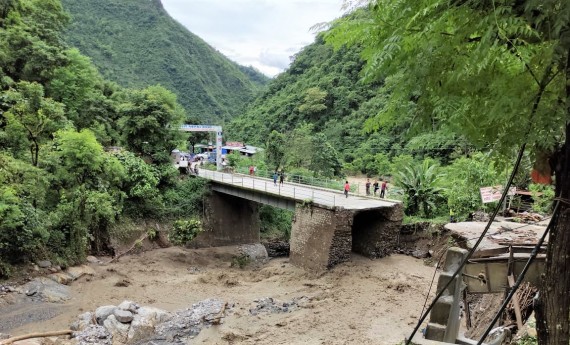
515, 300
484, 253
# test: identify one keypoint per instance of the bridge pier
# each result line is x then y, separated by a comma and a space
228, 220
320, 237
324, 237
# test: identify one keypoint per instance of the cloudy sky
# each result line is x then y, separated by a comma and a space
260, 33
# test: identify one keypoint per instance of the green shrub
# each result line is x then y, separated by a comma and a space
464, 177
240, 261
420, 185
184, 231
543, 197
275, 222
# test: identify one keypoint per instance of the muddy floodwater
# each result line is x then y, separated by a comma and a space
360, 302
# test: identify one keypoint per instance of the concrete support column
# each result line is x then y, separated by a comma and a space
228, 220
375, 232
320, 237
444, 317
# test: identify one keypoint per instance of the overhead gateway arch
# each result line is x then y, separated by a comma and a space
209, 128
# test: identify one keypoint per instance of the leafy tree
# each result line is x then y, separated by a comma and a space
33, 114
494, 72
88, 181
275, 149
30, 37
140, 184
299, 150
463, 178
314, 102
150, 120
78, 85
325, 160
23, 229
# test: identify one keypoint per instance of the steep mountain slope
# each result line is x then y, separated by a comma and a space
324, 88
136, 43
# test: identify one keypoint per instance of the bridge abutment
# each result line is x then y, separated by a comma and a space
228, 220
375, 231
322, 238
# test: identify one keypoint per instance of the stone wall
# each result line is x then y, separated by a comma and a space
228, 220
320, 238
375, 232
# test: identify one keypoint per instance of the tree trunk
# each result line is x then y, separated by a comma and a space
555, 296
553, 316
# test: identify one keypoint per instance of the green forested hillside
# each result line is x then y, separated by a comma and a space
61, 193
325, 88
136, 43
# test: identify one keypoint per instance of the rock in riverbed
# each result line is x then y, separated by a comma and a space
130, 324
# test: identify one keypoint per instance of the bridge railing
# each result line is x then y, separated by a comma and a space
317, 196
305, 180
393, 193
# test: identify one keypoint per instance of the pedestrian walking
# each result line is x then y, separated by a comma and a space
275, 175
376, 186
367, 187
346, 188
383, 189
251, 170
282, 177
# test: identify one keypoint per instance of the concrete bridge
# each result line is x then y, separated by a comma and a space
326, 227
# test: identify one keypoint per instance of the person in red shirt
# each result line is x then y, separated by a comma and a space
346, 188
383, 189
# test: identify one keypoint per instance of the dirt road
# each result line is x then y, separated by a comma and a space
360, 302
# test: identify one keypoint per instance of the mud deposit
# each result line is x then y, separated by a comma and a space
360, 302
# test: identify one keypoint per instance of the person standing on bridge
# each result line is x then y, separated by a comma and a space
376, 187
368, 187
383, 189
282, 177
251, 170
346, 188
275, 178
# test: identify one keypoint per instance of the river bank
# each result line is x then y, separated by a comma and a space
364, 301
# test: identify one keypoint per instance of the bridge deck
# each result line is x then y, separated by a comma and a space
325, 197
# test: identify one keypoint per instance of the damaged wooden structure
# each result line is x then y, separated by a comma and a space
491, 270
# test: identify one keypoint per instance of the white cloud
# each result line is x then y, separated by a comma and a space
260, 33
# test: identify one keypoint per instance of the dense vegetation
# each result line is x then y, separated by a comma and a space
320, 118
495, 72
136, 43
445, 95
61, 193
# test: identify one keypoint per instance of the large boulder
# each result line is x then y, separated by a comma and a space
47, 290
123, 316
119, 331
129, 306
102, 313
145, 321
83, 321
